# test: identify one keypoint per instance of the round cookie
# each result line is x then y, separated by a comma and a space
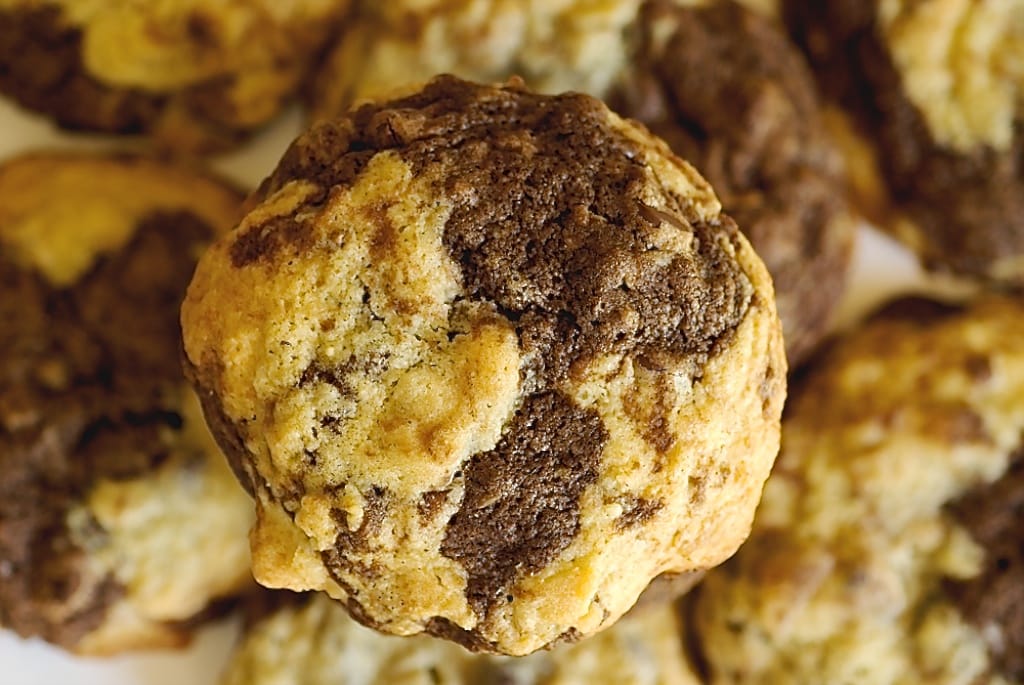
889, 546
554, 45
935, 90
490, 362
313, 641
727, 90
192, 74
120, 521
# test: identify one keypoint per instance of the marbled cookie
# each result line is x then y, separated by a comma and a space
728, 91
490, 362
193, 74
313, 641
889, 547
935, 89
554, 45
119, 518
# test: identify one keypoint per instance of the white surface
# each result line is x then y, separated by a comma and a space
881, 268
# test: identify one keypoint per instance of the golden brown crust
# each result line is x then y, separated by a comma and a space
485, 348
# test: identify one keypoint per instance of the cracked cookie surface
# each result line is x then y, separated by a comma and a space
490, 361
723, 85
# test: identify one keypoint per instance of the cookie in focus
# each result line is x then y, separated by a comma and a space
490, 361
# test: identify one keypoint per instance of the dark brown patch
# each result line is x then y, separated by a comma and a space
959, 424
431, 503
90, 380
994, 516
969, 205
521, 506
637, 511
229, 434
918, 310
265, 241
41, 67
978, 368
444, 628
768, 159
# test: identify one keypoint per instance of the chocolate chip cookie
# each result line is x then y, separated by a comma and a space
490, 361
729, 92
889, 547
935, 90
119, 518
311, 639
194, 75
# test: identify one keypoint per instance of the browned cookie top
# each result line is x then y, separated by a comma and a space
92, 399
935, 87
449, 316
727, 90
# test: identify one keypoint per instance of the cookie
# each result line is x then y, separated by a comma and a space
191, 74
120, 521
312, 639
729, 92
555, 46
935, 90
490, 362
889, 547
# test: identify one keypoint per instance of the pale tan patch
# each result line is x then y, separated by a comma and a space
62, 211
962, 65
175, 539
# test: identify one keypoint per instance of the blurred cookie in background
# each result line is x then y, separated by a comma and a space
310, 639
729, 92
120, 521
193, 75
934, 95
553, 45
889, 546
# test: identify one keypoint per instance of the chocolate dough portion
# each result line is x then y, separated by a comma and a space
994, 516
89, 380
731, 94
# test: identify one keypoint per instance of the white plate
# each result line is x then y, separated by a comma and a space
881, 268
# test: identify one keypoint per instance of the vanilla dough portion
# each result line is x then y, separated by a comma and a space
489, 361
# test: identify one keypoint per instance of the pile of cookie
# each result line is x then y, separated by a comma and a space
499, 357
